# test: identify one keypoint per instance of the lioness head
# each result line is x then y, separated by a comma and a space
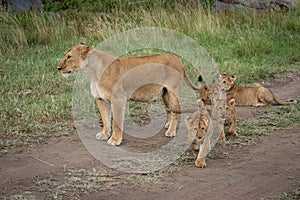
72, 59
226, 81
221, 108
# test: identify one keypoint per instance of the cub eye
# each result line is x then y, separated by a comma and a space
195, 129
203, 129
224, 81
227, 108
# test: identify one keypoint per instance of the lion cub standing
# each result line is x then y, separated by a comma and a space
202, 124
249, 95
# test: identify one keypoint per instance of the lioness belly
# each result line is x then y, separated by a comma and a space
146, 93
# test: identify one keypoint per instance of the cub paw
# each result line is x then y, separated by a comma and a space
221, 137
170, 134
232, 132
114, 142
102, 136
200, 162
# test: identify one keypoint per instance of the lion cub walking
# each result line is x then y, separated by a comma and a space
202, 123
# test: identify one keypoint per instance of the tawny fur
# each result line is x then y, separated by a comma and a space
249, 95
114, 80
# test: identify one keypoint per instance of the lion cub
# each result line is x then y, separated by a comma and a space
213, 94
202, 123
199, 133
249, 95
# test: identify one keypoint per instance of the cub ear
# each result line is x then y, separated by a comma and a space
188, 121
205, 86
231, 102
201, 103
233, 77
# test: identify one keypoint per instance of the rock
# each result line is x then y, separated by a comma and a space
21, 6
282, 5
257, 4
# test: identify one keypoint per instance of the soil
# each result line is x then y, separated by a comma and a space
265, 169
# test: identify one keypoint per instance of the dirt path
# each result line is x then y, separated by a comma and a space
265, 169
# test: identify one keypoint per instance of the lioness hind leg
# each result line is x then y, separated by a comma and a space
165, 99
104, 109
174, 104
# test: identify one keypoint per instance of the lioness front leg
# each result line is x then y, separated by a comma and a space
104, 109
118, 112
174, 105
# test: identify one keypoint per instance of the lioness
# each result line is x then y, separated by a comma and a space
114, 80
249, 95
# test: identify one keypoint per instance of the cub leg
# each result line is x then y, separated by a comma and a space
233, 125
265, 97
221, 133
204, 148
174, 104
104, 109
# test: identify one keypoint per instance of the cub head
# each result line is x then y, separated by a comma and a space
72, 59
209, 92
226, 81
222, 108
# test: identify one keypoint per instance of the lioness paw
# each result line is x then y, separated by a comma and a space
170, 133
167, 124
102, 136
114, 142
200, 162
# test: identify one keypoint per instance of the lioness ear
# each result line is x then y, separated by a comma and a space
84, 50
231, 102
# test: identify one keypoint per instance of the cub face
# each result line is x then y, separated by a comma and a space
72, 59
197, 126
222, 109
208, 92
226, 82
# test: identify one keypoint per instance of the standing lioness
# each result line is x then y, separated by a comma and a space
114, 80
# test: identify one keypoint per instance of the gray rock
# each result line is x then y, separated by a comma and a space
282, 5
22, 5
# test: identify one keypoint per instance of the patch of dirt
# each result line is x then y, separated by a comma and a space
264, 169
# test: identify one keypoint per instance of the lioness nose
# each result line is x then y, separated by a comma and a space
59, 68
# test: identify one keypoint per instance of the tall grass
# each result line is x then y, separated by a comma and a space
36, 100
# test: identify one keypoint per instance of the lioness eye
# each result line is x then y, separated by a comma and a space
224, 81
68, 57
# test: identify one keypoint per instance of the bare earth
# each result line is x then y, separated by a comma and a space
262, 170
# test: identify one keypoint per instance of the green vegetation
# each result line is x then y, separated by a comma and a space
35, 101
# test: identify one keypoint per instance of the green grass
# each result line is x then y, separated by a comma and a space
35, 101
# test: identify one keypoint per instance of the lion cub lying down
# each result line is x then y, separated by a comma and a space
202, 123
249, 95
